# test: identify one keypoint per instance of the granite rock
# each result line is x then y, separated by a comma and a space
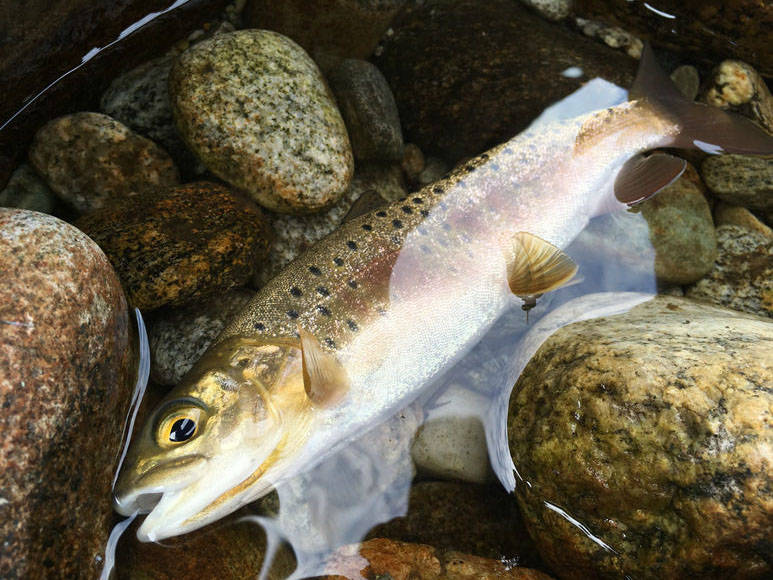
179, 336
26, 190
613, 36
368, 109
740, 180
65, 382
742, 278
187, 243
733, 215
652, 429
737, 86
255, 109
91, 160
139, 99
468, 75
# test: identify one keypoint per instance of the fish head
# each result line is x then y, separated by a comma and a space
205, 449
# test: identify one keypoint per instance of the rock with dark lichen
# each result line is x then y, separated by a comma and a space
740, 180
742, 277
179, 336
91, 160
645, 440
181, 244
255, 109
65, 381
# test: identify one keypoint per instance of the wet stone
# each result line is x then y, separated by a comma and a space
369, 110
91, 160
740, 180
140, 100
65, 374
737, 86
742, 277
255, 109
687, 80
187, 243
551, 9
733, 215
179, 336
652, 430
26, 190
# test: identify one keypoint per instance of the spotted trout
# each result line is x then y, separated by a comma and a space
358, 326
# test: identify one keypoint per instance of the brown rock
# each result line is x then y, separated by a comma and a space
706, 28
733, 215
737, 86
65, 366
90, 159
181, 244
468, 75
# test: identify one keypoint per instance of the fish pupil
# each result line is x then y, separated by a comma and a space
182, 430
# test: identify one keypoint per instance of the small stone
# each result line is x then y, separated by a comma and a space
26, 190
742, 277
179, 336
737, 86
369, 110
681, 230
91, 160
65, 382
413, 162
434, 170
187, 243
551, 9
255, 109
740, 180
687, 80
733, 215
612, 36
652, 430
451, 444
140, 100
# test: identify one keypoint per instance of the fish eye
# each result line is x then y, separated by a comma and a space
179, 426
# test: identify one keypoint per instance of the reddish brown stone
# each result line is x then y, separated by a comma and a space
65, 366
181, 244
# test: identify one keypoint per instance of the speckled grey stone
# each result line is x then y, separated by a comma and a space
735, 85
369, 110
255, 109
742, 277
26, 190
179, 336
740, 180
89, 159
294, 234
652, 429
140, 100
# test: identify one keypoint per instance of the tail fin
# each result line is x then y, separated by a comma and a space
702, 126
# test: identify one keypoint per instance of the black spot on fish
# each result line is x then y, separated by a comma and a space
338, 261
397, 223
396, 240
407, 209
417, 200
437, 189
314, 270
295, 291
323, 291
352, 325
402, 198
352, 283
352, 244
330, 342
484, 155
259, 326
292, 314
367, 227
424, 212
325, 311
381, 213
470, 168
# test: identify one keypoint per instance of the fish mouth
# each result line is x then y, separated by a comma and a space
142, 493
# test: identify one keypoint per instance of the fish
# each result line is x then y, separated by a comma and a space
362, 323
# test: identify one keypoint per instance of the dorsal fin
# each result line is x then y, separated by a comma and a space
641, 176
324, 378
535, 266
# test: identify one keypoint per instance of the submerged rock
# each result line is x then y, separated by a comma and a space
91, 160
742, 278
737, 86
255, 109
645, 441
26, 190
65, 374
187, 242
740, 180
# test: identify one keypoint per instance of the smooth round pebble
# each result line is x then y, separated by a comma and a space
26, 190
740, 180
181, 244
733, 215
737, 86
255, 109
91, 160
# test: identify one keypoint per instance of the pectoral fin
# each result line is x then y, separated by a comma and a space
324, 378
642, 177
535, 266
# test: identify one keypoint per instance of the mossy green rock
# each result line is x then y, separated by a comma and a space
181, 244
255, 109
645, 441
